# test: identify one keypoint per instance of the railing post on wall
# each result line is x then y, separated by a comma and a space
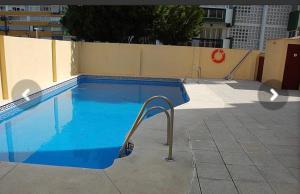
54, 73
3, 69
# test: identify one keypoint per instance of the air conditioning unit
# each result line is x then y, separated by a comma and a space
229, 17
226, 43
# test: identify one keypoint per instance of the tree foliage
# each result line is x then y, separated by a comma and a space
108, 23
177, 24
169, 24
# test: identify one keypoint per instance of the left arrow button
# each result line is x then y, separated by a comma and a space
25, 94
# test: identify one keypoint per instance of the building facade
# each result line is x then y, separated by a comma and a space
32, 21
217, 20
294, 22
257, 23
250, 25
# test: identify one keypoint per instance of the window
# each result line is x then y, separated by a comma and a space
220, 14
45, 8
205, 14
212, 13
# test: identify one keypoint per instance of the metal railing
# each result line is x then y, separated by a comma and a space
142, 114
229, 76
198, 73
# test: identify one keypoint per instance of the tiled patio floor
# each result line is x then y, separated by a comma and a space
224, 142
241, 147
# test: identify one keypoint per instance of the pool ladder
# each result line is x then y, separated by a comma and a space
142, 114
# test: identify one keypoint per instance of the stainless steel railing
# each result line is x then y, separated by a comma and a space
142, 114
229, 76
198, 73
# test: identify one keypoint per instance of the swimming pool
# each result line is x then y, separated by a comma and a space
82, 123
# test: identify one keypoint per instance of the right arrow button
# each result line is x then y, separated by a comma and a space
270, 98
275, 94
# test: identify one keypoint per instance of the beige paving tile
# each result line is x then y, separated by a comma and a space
195, 186
246, 187
284, 150
236, 158
285, 188
29, 179
205, 144
254, 148
151, 173
5, 168
277, 174
264, 159
203, 156
245, 173
209, 186
295, 172
289, 161
212, 171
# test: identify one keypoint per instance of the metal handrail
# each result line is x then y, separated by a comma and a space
198, 73
142, 115
229, 76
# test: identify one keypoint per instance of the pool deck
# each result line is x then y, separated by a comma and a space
225, 142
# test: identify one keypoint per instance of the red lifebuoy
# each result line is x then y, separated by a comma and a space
218, 60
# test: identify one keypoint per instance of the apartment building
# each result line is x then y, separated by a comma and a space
42, 21
257, 23
294, 22
217, 20
247, 26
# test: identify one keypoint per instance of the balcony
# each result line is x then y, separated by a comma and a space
213, 43
214, 15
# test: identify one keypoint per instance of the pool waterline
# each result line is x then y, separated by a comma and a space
83, 126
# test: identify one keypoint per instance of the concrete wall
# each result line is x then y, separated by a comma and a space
161, 61
2, 69
1, 94
166, 61
39, 60
109, 59
66, 56
246, 70
2, 65
27, 59
49, 61
274, 64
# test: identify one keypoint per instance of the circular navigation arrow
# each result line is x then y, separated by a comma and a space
270, 98
275, 94
23, 92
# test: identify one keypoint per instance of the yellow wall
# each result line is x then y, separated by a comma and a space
1, 94
274, 63
166, 61
27, 58
161, 61
48, 61
3, 85
209, 69
42, 61
109, 59
66, 56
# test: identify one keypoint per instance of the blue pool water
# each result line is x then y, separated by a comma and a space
83, 126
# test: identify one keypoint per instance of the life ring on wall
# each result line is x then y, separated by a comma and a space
218, 60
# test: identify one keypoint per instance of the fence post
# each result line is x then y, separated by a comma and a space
3, 69
54, 73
